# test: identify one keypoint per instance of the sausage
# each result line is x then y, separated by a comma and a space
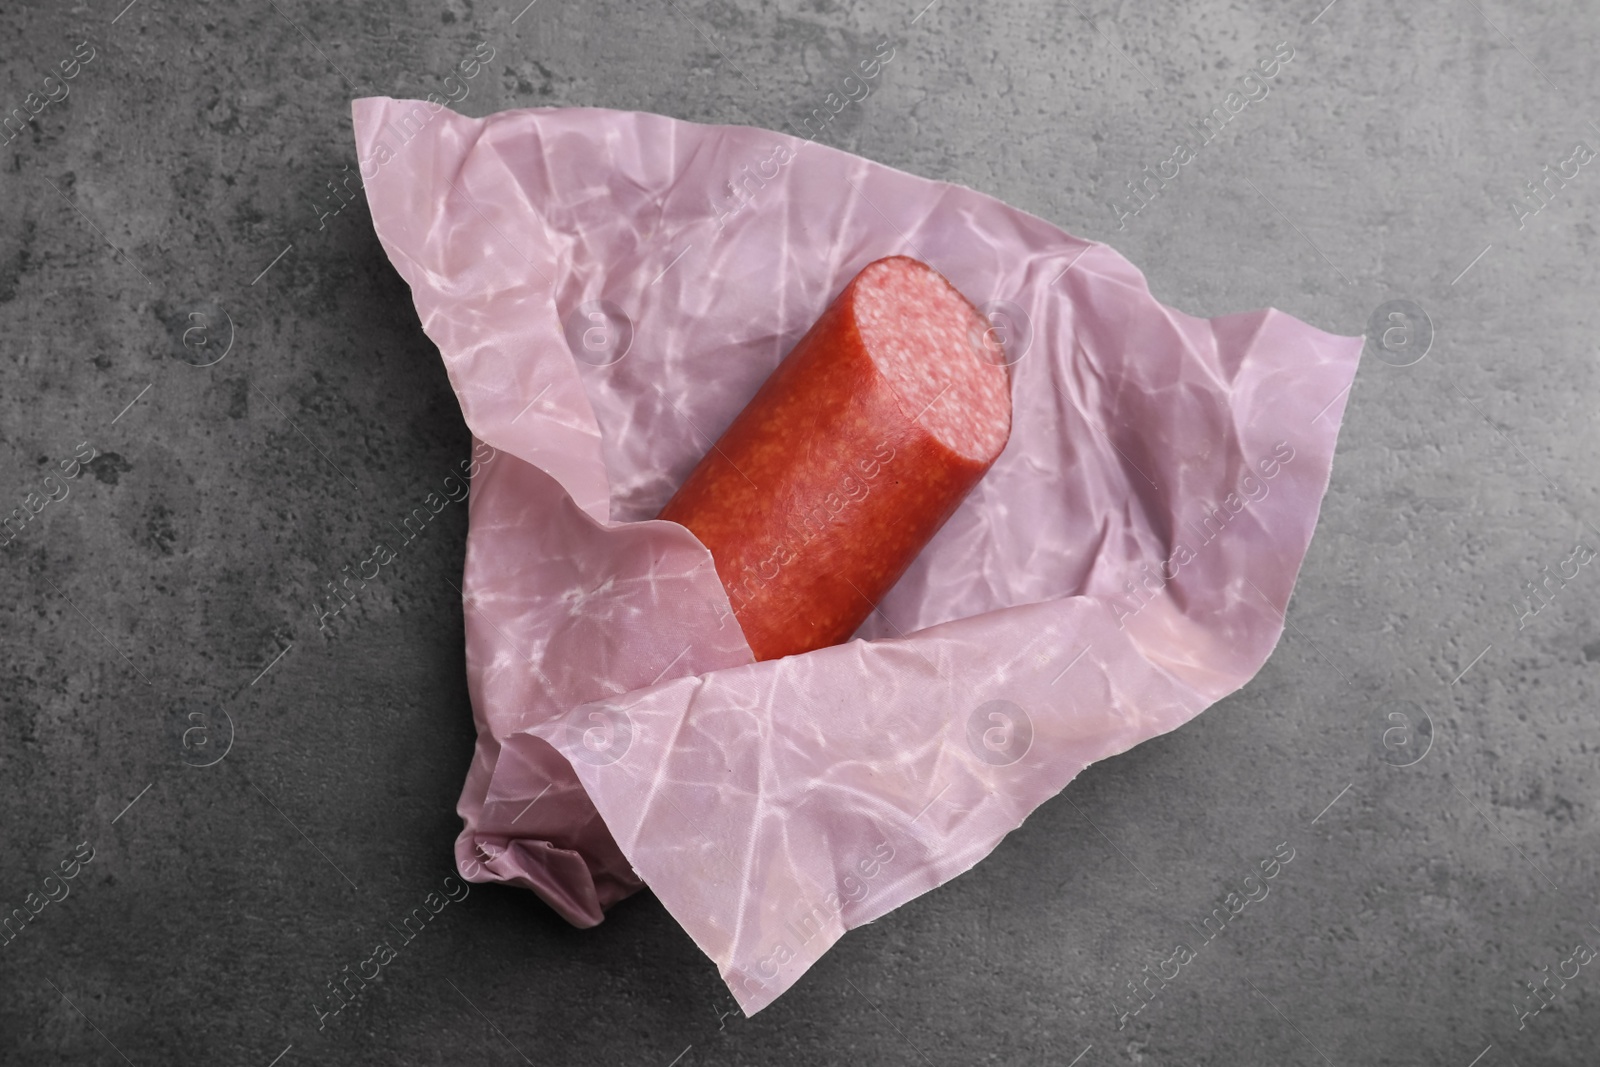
850, 457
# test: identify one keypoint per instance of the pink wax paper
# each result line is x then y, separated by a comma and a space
1125, 563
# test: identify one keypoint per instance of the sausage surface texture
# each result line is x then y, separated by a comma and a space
850, 457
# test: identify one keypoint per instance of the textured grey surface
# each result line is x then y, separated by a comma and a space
177, 576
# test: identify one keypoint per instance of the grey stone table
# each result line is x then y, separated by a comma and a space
1423, 741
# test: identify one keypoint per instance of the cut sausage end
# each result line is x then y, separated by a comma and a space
930, 344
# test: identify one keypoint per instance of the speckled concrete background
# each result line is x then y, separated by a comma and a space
1424, 741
